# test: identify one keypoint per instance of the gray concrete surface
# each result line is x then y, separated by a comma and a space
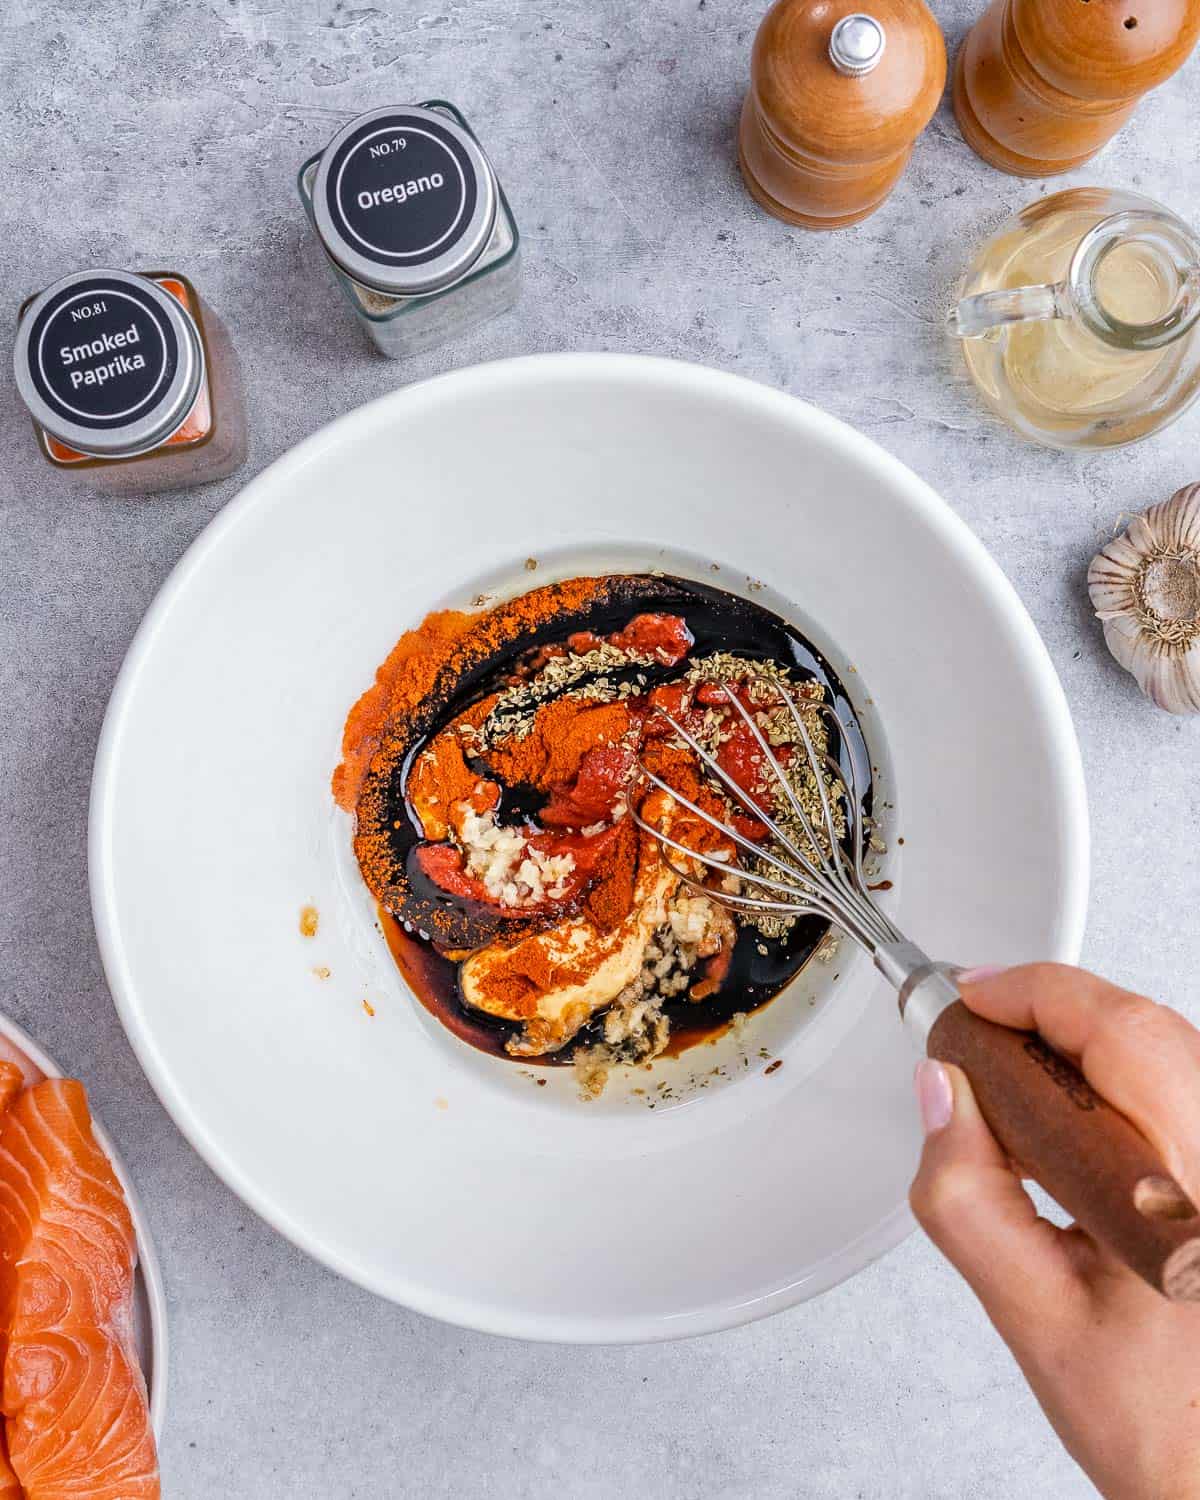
168, 134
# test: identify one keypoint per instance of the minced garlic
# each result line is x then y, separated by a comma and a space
512, 873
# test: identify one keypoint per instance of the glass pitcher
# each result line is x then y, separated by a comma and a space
1078, 319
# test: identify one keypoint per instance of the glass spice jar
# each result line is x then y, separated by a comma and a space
415, 225
132, 383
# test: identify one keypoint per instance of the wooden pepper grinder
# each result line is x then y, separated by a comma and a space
1041, 85
836, 100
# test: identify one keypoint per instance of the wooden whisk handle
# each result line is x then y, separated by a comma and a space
1086, 1154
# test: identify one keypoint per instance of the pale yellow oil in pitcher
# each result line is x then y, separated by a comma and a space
1078, 319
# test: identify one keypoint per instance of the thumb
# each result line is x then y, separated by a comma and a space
971, 1204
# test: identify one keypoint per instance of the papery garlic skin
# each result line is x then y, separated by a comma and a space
1145, 587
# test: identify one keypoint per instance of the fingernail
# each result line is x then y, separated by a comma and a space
978, 975
935, 1097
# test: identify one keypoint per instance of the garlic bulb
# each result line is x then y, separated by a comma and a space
1145, 586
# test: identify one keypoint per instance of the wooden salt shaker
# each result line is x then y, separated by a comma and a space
836, 100
1041, 85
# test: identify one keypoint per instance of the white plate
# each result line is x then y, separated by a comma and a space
433, 1174
149, 1298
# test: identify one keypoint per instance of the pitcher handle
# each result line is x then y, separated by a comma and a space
976, 316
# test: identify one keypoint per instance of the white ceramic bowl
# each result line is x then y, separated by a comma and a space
433, 1174
149, 1297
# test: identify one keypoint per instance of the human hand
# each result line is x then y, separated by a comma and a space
1115, 1366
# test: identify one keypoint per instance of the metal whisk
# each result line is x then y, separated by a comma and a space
820, 875
1039, 1106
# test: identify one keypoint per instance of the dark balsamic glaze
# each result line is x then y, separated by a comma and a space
761, 967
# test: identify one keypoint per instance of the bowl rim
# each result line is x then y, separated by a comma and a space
925, 506
148, 1262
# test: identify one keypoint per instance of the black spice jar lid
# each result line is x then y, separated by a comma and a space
108, 362
404, 200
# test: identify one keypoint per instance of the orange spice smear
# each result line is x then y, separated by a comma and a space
400, 683
447, 640
441, 780
610, 900
563, 732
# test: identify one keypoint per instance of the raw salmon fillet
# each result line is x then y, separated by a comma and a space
10, 1487
12, 1080
11, 1083
78, 1422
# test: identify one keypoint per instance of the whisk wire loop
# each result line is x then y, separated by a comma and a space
827, 879
743, 797
772, 760
790, 891
848, 877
